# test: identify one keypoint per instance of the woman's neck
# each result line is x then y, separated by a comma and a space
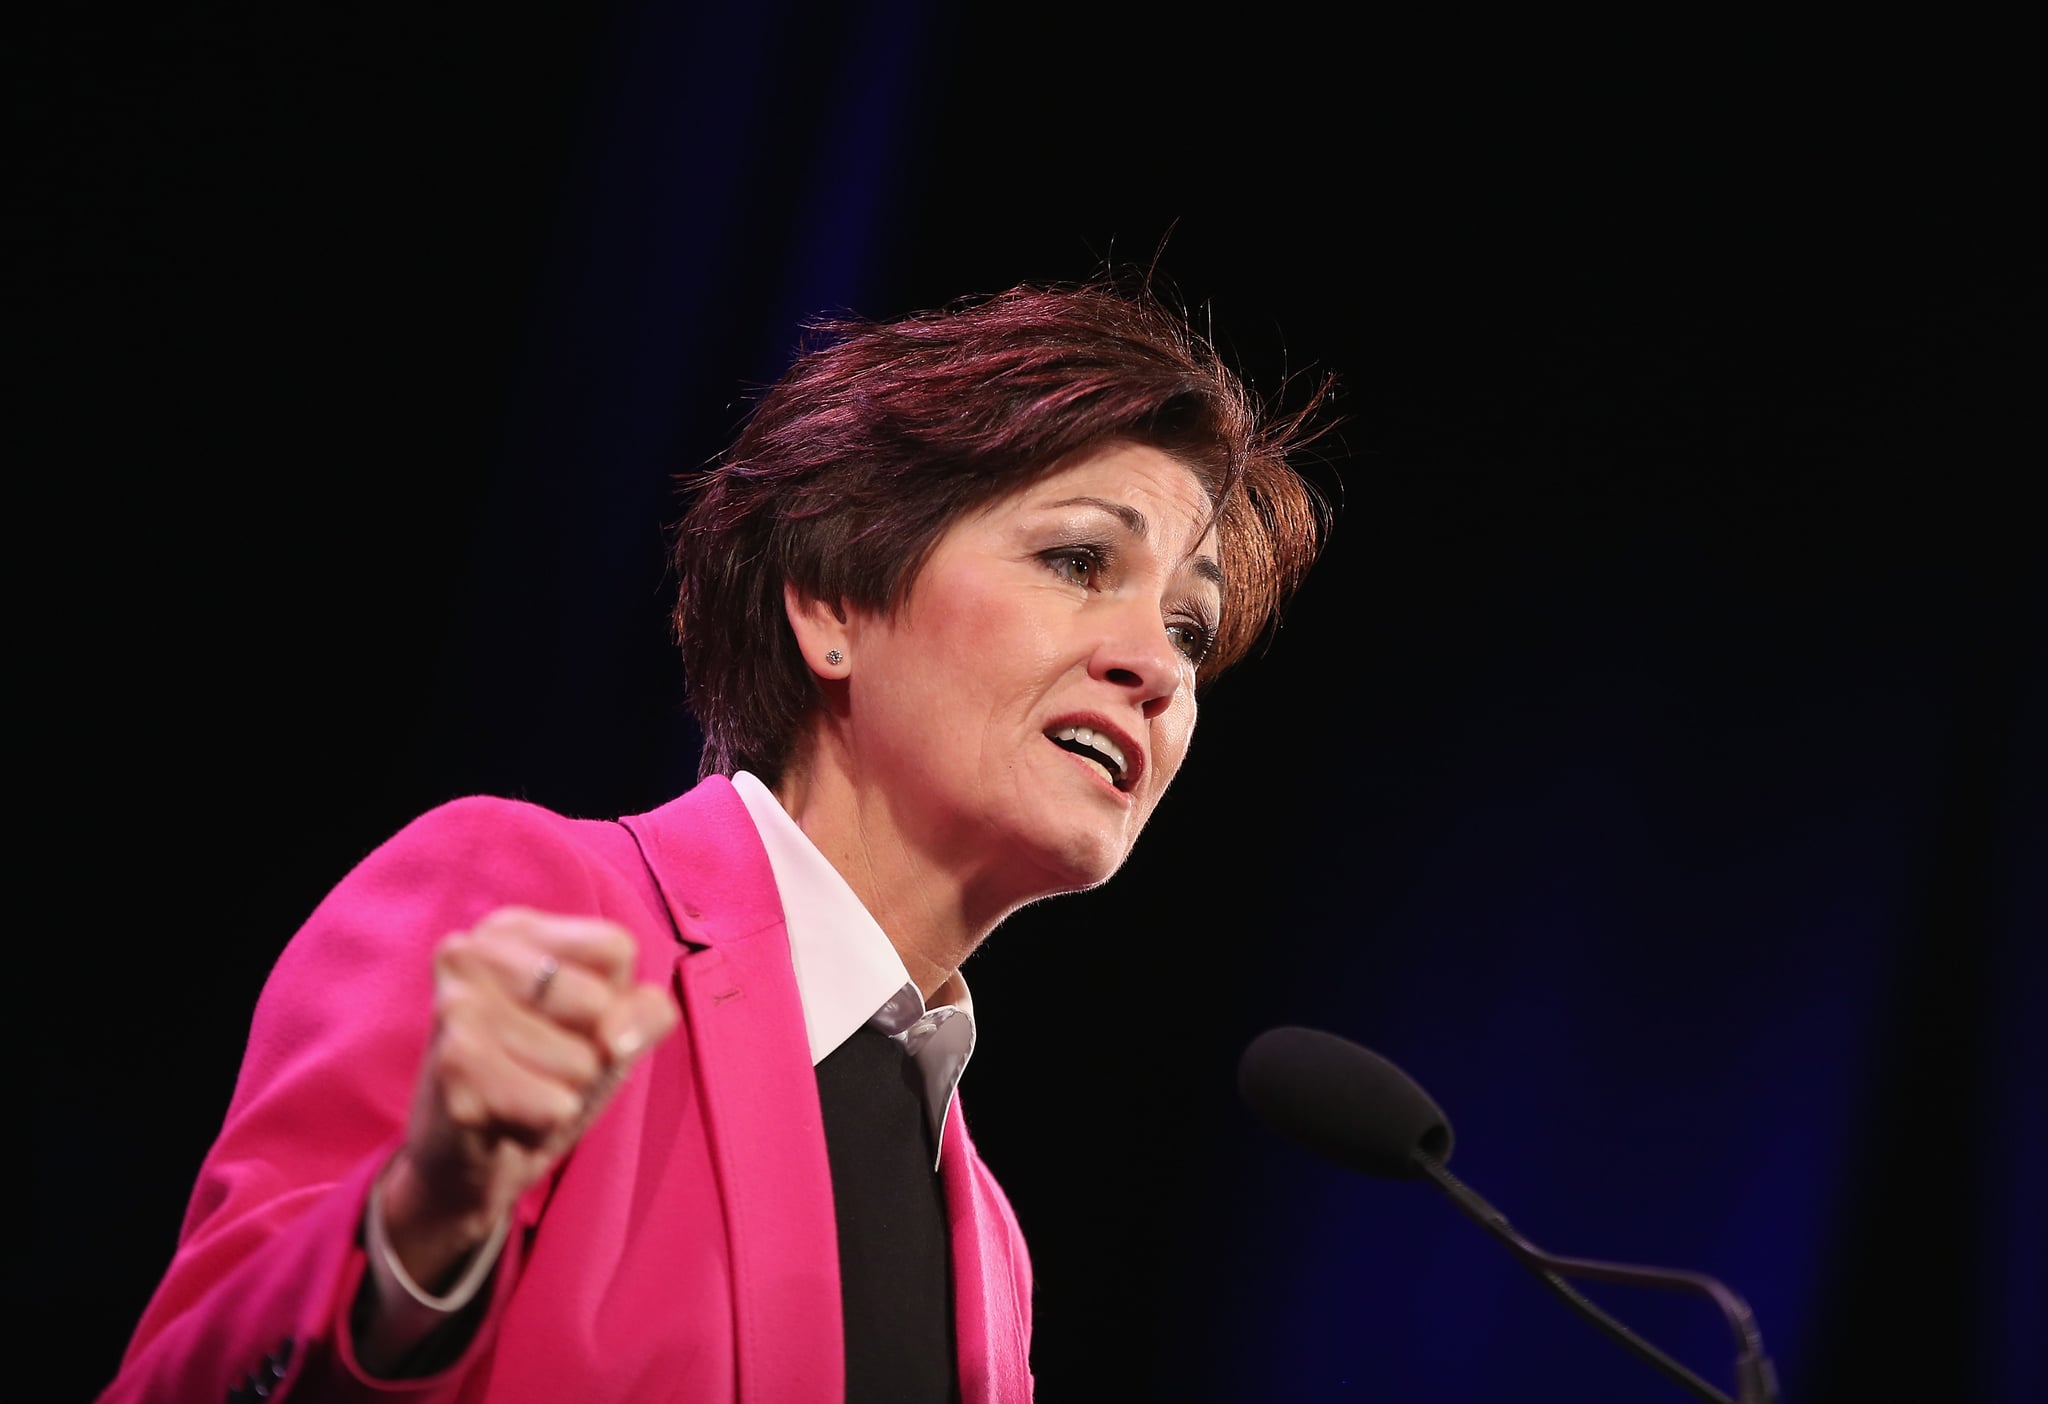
933, 915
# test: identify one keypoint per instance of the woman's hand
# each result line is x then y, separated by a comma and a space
537, 1018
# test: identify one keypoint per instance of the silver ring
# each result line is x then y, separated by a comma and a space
549, 968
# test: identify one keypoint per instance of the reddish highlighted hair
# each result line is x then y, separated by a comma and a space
881, 435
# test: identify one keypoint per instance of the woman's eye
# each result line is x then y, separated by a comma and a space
1076, 566
1193, 640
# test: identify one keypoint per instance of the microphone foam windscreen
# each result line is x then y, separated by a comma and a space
1344, 1102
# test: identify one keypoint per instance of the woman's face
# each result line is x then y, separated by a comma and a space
1025, 708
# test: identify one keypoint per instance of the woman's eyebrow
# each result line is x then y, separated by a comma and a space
1134, 522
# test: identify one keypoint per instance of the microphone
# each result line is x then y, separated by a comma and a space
1350, 1106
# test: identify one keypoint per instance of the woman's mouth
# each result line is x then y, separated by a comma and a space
1097, 746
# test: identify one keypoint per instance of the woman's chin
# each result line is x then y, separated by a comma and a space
1070, 862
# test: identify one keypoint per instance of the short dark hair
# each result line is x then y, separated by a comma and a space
881, 435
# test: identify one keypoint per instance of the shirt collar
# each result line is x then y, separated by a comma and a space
847, 972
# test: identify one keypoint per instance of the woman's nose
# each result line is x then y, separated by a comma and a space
1135, 654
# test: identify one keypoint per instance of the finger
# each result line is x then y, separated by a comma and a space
602, 947
483, 1012
529, 975
643, 1020
547, 1048
485, 1092
568, 995
634, 1024
654, 1008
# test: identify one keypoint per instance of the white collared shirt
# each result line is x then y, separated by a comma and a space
847, 974
847, 971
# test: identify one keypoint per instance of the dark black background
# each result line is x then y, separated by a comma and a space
1682, 374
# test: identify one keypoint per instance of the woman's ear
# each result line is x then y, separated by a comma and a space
821, 632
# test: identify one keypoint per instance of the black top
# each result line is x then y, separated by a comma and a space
895, 1258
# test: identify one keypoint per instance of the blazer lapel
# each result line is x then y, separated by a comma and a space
759, 1093
989, 1322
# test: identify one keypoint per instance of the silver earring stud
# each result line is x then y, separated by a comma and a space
834, 657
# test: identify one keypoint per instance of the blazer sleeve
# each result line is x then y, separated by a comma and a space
256, 1301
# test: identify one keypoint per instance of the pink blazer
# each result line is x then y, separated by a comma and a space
685, 1250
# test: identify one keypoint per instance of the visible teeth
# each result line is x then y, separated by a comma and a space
1097, 742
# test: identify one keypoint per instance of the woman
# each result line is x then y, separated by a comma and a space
537, 1108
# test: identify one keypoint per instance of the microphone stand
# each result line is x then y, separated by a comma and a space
1756, 1381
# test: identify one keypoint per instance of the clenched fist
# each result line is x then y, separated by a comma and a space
537, 1018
